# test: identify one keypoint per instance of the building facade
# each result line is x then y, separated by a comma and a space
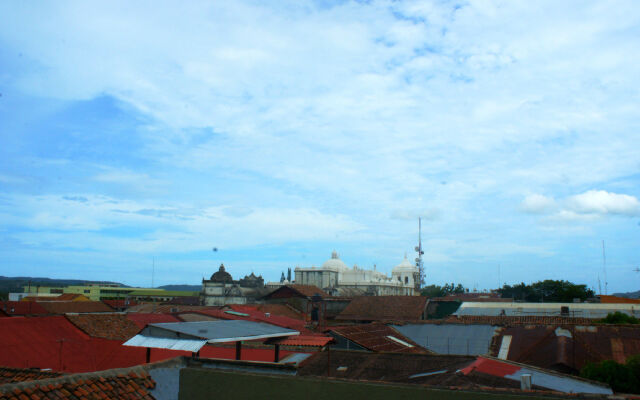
335, 278
221, 289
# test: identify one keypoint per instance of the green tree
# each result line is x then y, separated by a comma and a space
619, 318
620, 377
547, 290
441, 291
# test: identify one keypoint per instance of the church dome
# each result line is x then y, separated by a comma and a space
335, 263
221, 275
404, 266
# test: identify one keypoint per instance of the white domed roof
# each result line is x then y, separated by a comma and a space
405, 265
334, 263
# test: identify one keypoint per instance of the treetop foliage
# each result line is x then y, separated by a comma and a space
547, 291
441, 291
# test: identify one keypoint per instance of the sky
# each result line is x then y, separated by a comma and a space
136, 137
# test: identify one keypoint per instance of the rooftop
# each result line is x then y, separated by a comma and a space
63, 307
384, 308
130, 383
378, 337
107, 326
11, 375
224, 330
307, 291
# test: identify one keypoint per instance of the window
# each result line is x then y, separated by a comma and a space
55, 291
87, 291
406, 279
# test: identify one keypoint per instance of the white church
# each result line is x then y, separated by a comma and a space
335, 278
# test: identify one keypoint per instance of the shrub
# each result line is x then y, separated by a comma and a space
619, 318
620, 377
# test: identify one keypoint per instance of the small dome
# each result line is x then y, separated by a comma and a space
335, 263
221, 275
405, 266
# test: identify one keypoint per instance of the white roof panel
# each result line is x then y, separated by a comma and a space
165, 343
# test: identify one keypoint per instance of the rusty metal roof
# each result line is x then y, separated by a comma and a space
378, 337
384, 308
567, 348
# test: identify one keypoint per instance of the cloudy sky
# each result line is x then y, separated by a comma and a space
138, 130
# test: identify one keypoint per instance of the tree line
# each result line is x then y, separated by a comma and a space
559, 291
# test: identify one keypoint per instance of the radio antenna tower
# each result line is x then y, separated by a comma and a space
419, 264
604, 268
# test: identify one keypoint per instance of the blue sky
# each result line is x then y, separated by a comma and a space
280, 132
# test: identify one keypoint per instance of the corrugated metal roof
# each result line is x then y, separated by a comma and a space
225, 330
451, 338
295, 358
571, 347
583, 310
313, 341
165, 343
378, 337
546, 379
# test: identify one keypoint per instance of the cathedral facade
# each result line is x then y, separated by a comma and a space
221, 289
335, 278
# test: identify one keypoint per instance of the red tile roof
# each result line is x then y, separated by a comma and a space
132, 383
9, 375
107, 326
384, 308
143, 319
63, 307
163, 308
375, 337
54, 342
120, 304
283, 310
22, 308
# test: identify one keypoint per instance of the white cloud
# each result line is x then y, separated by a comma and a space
582, 207
603, 203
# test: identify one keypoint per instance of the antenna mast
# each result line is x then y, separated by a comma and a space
604, 268
419, 264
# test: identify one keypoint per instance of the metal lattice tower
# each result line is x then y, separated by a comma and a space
419, 258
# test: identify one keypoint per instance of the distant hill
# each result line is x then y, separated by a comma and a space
629, 295
184, 288
15, 284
